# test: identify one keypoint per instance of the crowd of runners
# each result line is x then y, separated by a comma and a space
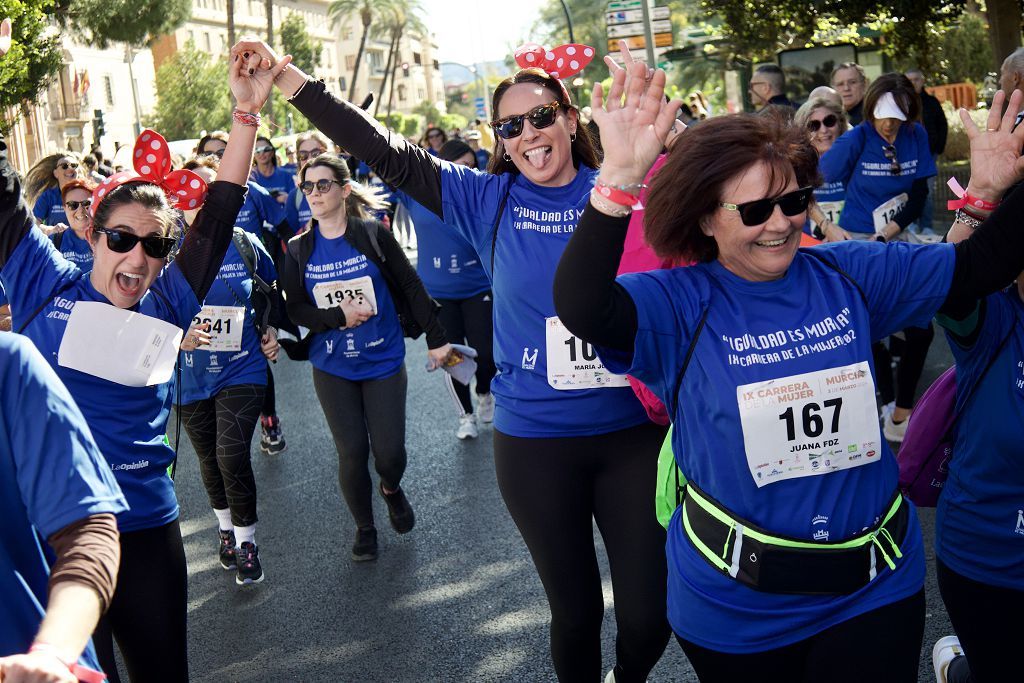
763, 283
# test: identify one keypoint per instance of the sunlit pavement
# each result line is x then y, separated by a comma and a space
454, 600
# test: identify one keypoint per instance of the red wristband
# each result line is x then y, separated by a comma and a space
615, 195
965, 199
83, 673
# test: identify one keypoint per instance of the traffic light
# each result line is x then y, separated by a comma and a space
98, 127
405, 69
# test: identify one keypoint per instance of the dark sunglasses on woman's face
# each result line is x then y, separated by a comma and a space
311, 154
322, 186
74, 206
890, 154
829, 121
66, 165
218, 153
264, 148
760, 210
122, 242
539, 117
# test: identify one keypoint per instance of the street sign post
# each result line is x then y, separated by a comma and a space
641, 25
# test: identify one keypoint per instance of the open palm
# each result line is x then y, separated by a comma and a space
996, 162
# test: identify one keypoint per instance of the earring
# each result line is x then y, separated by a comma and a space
572, 136
506, 157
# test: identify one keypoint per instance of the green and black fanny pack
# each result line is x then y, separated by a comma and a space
779, 564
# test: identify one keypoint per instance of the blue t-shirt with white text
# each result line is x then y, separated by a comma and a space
280, 181
49, 207
259, 210
76, 250
297, 211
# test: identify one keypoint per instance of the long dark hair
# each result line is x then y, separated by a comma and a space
362, 200
582, 147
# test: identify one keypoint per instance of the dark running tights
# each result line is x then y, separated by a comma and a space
221, 429
882, 646
470, 321
555, 488
986, 619
360, 414
147, 616
909, 369
269, 396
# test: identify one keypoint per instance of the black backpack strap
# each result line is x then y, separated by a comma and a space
834, 266
686, 364
371, 232
497, 220
248, 253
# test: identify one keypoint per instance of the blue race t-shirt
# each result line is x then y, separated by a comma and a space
76, 250
129, 423
447, 264
297, 211
372, 350
747, 433
206, 373
290, 168
278, 181
979, 525
259, 210
535, 227
49, 207
51, 475
858, 159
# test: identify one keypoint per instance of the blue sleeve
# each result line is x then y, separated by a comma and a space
926, 163
270, 210
839, 162
264, 263
34, 273
60, 472
904, 284
41, 209
178, 293
470, 199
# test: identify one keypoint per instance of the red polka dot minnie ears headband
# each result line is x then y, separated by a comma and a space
558, 62
152, 160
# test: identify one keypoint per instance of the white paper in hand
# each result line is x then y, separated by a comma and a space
119, 346
461, 364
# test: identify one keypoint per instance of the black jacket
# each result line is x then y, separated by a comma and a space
934, 121
394, 265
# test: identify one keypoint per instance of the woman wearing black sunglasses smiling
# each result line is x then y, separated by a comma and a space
571, 442
824, 120
73, 242
130, 235
792, 547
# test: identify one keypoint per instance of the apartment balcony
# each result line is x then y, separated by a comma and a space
68, 111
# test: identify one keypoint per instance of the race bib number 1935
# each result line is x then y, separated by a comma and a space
809, 424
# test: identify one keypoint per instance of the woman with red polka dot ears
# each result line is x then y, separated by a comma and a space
571, 442
112, 336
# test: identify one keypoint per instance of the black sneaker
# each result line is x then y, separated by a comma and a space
249, 568
403, 519
365, 547
227, 549
271, 439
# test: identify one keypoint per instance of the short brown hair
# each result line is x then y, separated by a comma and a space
848, 65
688, 188
902, 91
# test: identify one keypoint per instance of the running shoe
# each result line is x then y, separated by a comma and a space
365, 547
945, 651
227, 549
894, 432
249, 568
467, 427
271, 440
485, 407
403, 519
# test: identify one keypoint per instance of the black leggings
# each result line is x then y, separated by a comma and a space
270, 396
554, 489
221, 429
469, 321
986, 619
361, 413
914, 351
148, 614
882, 646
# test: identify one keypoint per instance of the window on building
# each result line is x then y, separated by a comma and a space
350, 62
420, 95
417, 57
223, 43
192, 37
401, 93
342, 84
207, 42
108, 88
347, 33
437, 67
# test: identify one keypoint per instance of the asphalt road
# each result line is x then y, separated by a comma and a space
457, 599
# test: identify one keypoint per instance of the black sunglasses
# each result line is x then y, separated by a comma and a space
66, 165
122, 242
829, 121
219, 153
760, 210
540, 117
312, 154
890, 154
264, 148
323, 185
74, 206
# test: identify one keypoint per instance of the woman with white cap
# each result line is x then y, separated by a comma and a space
885, 163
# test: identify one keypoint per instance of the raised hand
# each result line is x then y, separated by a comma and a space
252, 73
996, 162
5, 37
634, 120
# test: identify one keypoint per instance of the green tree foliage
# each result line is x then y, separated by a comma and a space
960, 54
192, 95
368, 12
101, 22
35, 56
296, 41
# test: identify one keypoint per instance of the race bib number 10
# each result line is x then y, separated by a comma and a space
809, 424
225, 327
573, 363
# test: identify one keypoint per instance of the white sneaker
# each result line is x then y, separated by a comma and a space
945, 651
467, 427
485, 407
610, 678
894, 432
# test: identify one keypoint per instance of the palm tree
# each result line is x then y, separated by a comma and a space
368, 11
402, 18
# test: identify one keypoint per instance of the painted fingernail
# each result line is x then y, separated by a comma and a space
247, 55
252, 71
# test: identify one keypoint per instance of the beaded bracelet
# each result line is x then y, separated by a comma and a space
610, 208
967, 219
246, 118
